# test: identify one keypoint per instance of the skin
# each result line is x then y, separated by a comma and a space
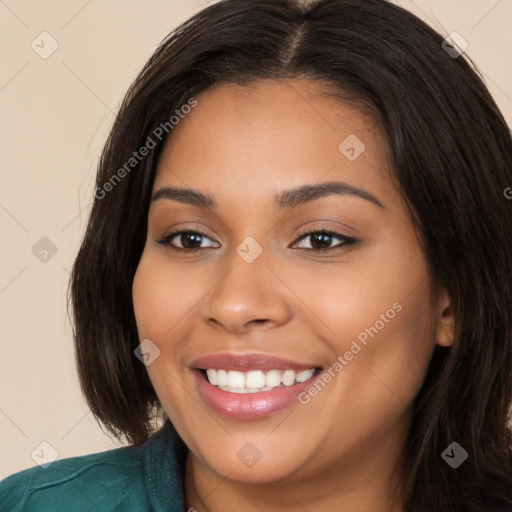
244, 145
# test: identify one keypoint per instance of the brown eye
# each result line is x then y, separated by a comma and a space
321, 240
189, 240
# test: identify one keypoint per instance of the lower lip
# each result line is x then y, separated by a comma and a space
248, 405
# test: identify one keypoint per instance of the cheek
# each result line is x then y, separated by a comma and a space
386, 353
376, 314
163, 299
163, 296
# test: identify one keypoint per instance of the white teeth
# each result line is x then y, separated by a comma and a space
212, 376
288, 377
236, 380
222, 377
273, 378
304, 375
255, 381
243, 390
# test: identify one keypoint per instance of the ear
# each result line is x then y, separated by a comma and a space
445, 331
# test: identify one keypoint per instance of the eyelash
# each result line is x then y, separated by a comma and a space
346, 241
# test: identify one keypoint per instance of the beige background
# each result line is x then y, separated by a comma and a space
54, 117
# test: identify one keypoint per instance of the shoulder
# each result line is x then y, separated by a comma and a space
108, 480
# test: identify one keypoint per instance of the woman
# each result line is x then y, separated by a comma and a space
299, 255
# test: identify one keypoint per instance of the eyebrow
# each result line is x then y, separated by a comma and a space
286, 199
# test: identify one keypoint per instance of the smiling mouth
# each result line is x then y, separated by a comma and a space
256, 381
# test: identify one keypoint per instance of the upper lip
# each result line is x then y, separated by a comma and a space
248, 362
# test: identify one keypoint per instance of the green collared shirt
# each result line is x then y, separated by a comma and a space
144, 478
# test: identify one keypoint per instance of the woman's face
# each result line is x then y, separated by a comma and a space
364, 311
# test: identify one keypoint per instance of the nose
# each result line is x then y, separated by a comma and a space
246, 296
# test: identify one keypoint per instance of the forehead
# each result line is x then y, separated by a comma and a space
271, 135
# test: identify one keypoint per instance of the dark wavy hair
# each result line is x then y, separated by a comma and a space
451, 155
